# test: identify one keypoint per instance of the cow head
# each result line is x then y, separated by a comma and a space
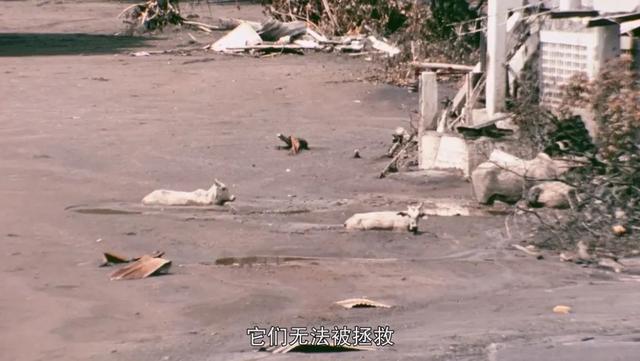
221, 193
414, 213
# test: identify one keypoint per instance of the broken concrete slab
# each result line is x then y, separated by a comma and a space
444, 151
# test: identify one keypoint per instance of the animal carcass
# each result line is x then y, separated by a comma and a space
551, 195
218, 194
387, 221
506, 178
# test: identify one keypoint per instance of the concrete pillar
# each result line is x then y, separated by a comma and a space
428, 108
497, 13
428, 101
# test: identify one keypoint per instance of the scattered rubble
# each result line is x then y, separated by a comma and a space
599, 259
419, 29
295, 36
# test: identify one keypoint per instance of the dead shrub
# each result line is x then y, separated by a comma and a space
607, 214
421, 30
153, 15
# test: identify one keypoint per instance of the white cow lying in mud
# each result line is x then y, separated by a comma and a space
218, 194
387, 221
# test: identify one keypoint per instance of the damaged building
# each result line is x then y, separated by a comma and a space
565, 38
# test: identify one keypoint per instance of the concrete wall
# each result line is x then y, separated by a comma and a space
616, 5
444, 151
451, 151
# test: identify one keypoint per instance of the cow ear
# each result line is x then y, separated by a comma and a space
403, 214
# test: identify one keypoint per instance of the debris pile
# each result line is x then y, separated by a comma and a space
403, 151
420, 29
295, 37
153, 14
342, 17
602, 197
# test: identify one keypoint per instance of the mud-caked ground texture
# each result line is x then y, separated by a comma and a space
86, 131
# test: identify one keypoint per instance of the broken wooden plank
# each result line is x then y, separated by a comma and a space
394, 161
317, 36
